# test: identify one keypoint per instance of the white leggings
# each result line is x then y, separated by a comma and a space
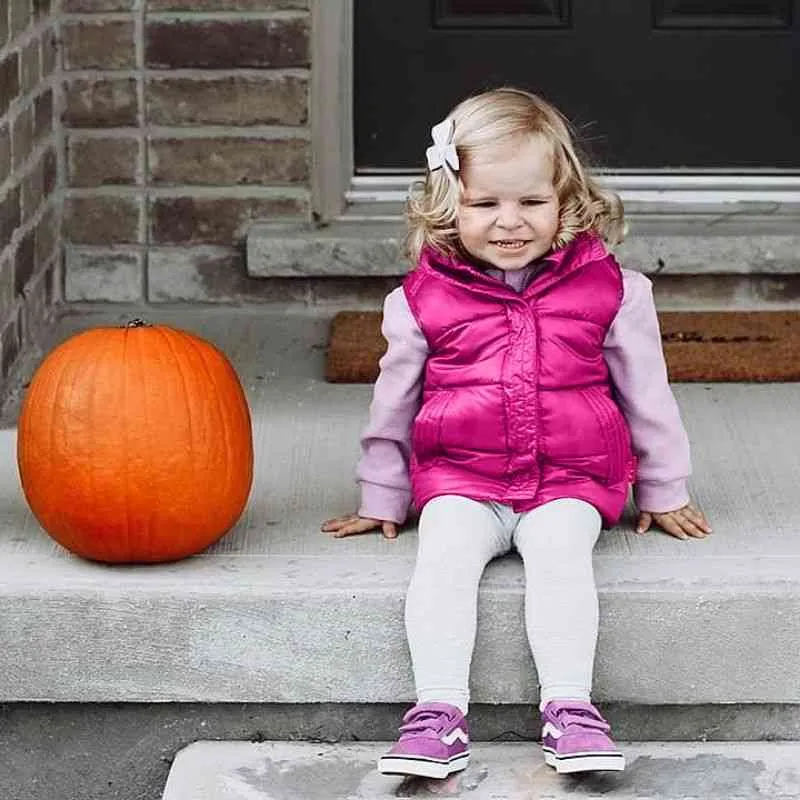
457, 539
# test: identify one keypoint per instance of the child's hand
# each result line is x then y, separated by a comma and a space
683, 523
352, 523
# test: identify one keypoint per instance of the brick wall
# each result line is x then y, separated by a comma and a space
183, 121
29, 214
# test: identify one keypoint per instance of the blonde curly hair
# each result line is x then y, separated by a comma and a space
496, 117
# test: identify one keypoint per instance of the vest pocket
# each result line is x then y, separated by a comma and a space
614, 430
426, 434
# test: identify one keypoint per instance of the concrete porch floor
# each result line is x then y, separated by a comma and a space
277, 612
654, 771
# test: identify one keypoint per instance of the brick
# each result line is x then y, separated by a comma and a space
107, 276
9, 81
29, 66
101, 219
24, 261
208, 220
49, 46
43, 115
50, 171
22, 136
5, 154
96, 6
105, 103
229, 162
46, 237
195, 274
220, 44
10, 215
216, 274
227, 5
21, 15
102, 44
231, 100
100, 162
32, 190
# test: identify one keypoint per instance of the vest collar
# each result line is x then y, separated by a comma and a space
585, 248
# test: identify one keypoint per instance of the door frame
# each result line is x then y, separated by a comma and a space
335, 187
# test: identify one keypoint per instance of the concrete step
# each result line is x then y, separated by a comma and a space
664, 239
277, 612
512, 771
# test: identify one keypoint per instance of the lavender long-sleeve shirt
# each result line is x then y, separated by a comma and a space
633, 352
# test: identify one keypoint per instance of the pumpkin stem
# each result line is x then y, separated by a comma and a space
137, 322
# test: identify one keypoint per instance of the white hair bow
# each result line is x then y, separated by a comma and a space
442, 150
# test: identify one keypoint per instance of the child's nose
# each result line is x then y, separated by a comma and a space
508, 216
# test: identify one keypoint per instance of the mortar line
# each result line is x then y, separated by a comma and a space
140, 26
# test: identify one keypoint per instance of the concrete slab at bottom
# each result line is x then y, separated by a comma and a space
498, 771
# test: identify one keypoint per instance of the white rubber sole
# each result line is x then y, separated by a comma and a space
586, 762
424, 768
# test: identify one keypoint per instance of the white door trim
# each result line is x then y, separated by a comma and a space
663, 187
331, 106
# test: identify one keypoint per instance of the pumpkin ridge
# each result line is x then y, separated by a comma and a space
200, 350
168, 336
221, 408
235, 416
54, 412
65, 378
147, 533
143, 334
93, 383
126, 440
115, 369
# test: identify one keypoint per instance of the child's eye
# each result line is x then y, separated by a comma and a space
533, 202
482, 204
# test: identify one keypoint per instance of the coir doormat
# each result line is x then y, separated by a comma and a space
706, 346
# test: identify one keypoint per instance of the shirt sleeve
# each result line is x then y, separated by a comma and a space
635, 359
383, 468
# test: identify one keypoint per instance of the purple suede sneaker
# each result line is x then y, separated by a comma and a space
575, 738
433, 743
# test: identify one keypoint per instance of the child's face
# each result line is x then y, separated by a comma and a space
507, 215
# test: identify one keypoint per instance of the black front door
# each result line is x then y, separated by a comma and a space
646, 83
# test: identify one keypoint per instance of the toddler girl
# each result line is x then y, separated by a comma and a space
522, 392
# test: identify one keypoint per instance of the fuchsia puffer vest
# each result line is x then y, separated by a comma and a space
517, 405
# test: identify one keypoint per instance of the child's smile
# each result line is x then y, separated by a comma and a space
508, 212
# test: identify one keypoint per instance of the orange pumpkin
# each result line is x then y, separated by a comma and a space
135, 444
